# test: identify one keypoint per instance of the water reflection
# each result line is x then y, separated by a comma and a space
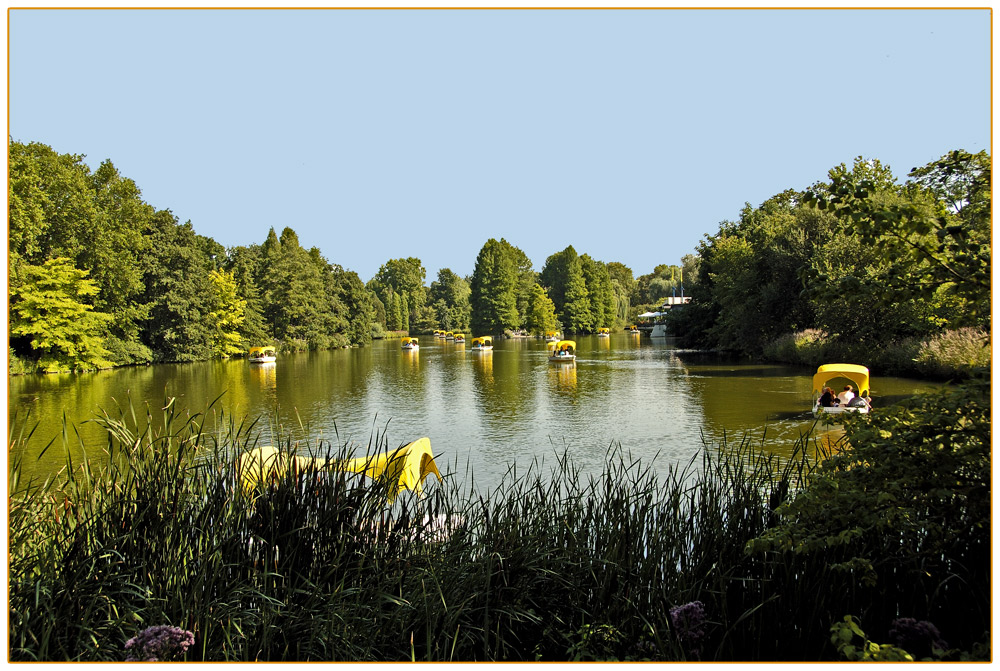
486, 409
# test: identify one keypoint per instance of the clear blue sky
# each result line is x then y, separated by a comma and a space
387, 134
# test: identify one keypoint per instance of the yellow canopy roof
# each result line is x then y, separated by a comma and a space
406, 340
262, 350
858, 375
407, 466
483, 340
459, 335
604, 330
562, 343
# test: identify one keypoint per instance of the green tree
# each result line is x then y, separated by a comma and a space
919, 228
541, 317
295, 293
178, 292
406, 278
494, 290
525, 279
599, 288
576, 316
359, 305
48, 309
226, 315
246, 266
450, 297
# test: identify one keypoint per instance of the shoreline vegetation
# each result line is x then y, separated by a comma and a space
862, 267
876, 547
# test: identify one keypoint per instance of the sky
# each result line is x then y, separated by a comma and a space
382, 134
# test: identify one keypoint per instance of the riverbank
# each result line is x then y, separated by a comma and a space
724, 559
951, 355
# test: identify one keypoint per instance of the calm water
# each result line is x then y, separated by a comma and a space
484, 411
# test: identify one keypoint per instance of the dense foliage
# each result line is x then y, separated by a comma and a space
858, 267
870, 265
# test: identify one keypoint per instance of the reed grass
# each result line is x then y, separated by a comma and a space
549, 565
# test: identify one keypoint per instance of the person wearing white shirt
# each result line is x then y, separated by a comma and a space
845, 396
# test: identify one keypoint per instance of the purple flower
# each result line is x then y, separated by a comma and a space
920, 639
159, 643
688, 622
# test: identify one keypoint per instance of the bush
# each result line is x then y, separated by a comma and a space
956, 353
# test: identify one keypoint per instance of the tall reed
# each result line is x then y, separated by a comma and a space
549, 565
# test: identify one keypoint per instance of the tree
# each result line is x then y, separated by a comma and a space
226, 314
177, 292
294, 291
359, 306
406, 278
246, 266
919, 228
525, 279
449, 296
48, 308
576, 315
602, 296
541, 316
494, 290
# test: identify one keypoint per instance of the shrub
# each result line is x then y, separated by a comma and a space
956, 353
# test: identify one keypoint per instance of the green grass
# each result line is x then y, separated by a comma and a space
549, 565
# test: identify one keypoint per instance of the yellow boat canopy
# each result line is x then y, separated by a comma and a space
459, 335
409, 340
604, 330
483, 340
858, 375
551, 333
262, 350
406, 466
568, 344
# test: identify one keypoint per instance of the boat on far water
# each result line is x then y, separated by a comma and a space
840, 388
411, 344
482, 344
450, 335
632, 329
603, 333
262, 355
563, 351
459, 338
551, 336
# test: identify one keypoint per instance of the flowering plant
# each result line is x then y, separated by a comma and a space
159, 643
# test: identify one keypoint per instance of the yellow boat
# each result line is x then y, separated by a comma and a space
603, 333
633, 329
459, 338
564, 350
262, 355
449, 335
843, 373
404, 468
551, 336
411, 344
438, 333
482, 344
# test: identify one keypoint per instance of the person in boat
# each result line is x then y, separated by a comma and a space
860, 402
845, 396
828, 400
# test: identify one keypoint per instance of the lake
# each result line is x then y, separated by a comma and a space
482, 412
